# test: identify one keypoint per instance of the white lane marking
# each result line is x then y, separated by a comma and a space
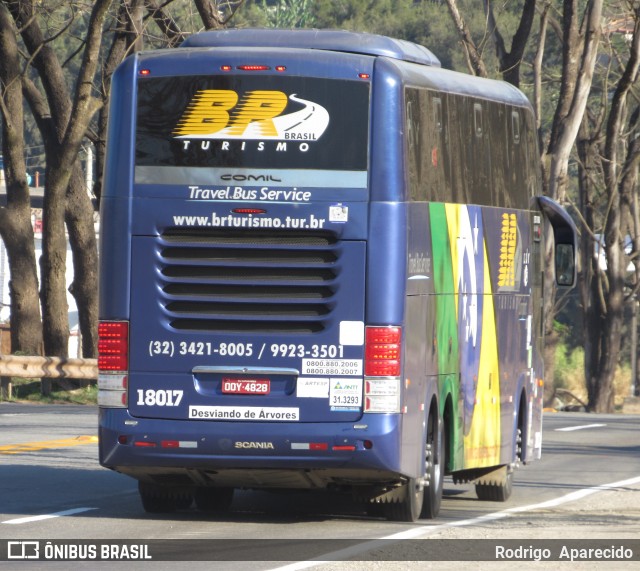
582, 427
31, 519
426, 530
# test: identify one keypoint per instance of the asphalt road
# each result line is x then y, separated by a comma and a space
52, 487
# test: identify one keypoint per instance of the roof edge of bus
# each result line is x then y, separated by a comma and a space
330, 40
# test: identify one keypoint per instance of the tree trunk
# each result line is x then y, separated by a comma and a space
79, 217
589, 275
63, 134
551, 341
53, 289
510, 61
17, 233
15, 219
601, 399
601, 396
126, 40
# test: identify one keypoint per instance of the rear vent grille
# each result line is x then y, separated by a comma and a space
243, 281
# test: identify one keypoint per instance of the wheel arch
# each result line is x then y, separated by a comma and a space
448, 425
521, 411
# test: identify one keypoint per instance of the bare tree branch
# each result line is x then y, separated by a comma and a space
510, 61
474, 58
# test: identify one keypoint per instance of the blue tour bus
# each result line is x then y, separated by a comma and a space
321, 268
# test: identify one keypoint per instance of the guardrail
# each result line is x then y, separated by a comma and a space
43, 368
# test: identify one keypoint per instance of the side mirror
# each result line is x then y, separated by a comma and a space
565, 265
566, 239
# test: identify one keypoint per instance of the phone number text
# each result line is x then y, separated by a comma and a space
166, 348
171, 349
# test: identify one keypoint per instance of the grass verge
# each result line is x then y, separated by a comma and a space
74, 392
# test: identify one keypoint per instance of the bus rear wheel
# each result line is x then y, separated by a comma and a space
496, 492
434, 465
423, 498
213, 499
409, 506
498, 486
163, 499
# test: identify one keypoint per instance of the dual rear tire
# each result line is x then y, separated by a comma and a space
420, 498
167, 499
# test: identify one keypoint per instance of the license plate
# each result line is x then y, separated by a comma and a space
246, 386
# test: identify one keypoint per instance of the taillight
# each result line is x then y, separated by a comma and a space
253, 67
113, 346
113, 363
382, 351
382, 367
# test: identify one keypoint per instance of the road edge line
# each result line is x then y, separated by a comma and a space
423, 531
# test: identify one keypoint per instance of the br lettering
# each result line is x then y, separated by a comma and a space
212, 110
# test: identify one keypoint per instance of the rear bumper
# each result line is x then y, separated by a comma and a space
252, 455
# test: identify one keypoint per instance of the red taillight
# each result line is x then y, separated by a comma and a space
382, 351
113, 346
253, 67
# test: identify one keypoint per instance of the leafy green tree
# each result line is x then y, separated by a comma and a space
288, 13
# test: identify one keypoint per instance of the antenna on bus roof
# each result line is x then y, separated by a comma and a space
331, 40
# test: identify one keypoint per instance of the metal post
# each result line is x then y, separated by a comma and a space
5, 388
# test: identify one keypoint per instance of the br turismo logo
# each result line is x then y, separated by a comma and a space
253, 115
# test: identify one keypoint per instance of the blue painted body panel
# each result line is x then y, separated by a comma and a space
134, 251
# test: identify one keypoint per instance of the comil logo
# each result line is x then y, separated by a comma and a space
224, 114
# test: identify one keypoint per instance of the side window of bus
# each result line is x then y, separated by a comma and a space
534, 174
438, 153
500, 160
457, 133
412, 137
519, 183
426, 143
479, 142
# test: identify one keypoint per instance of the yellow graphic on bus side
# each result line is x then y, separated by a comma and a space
482, 444
483, 438
508, 245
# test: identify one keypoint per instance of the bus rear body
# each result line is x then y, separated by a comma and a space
306, 284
